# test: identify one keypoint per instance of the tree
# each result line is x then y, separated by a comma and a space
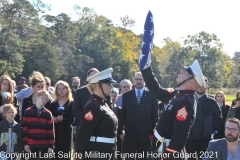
235, 73
206, 48
16, 20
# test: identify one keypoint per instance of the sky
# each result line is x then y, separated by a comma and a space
172, 18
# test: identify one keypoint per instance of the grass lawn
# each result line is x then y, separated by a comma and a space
230, 97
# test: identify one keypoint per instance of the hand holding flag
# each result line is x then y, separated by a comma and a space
147, 43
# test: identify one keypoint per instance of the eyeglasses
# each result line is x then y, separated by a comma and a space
138, 79
75, 83
231, 129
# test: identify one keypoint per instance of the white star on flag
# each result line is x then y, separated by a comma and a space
150, 45
151, 19
151, 32
141, 56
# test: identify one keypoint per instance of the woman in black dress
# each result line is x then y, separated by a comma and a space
96, 134
7, 96
221, 100
61, 109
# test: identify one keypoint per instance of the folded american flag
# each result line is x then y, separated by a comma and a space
147, 41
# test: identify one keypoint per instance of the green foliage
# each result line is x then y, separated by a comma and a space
206, 48
235, 72
61, 48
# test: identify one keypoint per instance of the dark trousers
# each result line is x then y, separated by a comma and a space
199, 146
138, 147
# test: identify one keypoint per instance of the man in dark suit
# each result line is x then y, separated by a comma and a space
81, 97
139, 115
228, 147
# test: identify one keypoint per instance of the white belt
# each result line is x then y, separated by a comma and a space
162, 140
102, 139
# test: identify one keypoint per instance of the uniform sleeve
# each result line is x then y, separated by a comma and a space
89, 121
153, 85
183, 120
76, 109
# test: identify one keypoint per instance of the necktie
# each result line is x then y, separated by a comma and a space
138, 96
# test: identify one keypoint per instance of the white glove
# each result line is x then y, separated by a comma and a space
148, 64
6, 95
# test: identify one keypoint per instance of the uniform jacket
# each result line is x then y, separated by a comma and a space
139, 119
81, 98
16, 136
98, 120
217, 149
178, 114
212, 119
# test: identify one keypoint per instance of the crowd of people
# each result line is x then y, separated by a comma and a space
139, 117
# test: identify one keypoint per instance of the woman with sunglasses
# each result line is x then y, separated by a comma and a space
37, 83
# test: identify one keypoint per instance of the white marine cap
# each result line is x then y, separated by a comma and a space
197, 74
104, 76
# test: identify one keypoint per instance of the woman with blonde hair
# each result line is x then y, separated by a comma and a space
221, 100
7, 96
61, 109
